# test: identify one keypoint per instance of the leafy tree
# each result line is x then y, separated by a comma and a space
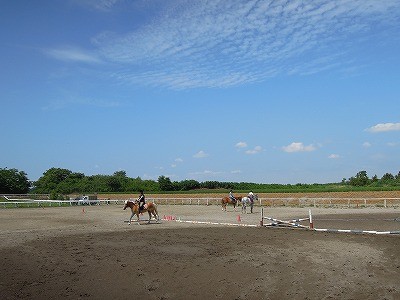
51, 179
361, 179
387, 177
13, 181
165, 183
121, 174
210, 185
114, 184
186, 185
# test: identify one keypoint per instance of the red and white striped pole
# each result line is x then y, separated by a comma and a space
311, 222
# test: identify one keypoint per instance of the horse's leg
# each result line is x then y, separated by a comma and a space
149, 217
137, 215
130, 219
155, 212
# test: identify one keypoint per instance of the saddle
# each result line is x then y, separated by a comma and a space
141, 208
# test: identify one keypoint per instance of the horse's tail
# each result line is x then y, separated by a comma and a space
155, 209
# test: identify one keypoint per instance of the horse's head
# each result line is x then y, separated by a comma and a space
126, 204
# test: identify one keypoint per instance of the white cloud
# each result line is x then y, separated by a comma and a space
298, 147
366, 144
392, 144
200, 154
206, 172
100, 5
79, 101
179, 159
382, 127
195, 45
173, 166
72, 54
241, 145
236, 172
256, 150
334, 156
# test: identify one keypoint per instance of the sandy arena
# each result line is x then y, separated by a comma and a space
91, 252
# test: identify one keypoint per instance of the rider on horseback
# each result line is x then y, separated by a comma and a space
251, 196
231, 196
141, 200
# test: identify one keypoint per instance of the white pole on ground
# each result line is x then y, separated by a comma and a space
311, 221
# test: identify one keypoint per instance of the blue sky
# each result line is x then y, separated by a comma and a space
255, 91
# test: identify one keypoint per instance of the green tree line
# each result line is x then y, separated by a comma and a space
58, 181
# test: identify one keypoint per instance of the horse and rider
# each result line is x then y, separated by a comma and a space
231, 199
139, 206
249, 200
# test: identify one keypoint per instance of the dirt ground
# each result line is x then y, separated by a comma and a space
92, 252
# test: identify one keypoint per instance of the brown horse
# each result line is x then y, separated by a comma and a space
227, 200
149, 207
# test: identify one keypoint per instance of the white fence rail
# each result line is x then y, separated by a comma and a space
290, 202
295, 202
41, 203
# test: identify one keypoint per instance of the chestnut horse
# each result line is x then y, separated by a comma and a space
149, 207
227, 200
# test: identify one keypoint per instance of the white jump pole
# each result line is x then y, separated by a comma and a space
311, 222
262, 217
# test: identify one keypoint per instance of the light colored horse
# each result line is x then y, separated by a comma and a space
247, 201
149, 207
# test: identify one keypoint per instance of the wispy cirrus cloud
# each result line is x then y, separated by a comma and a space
58, 104
228, 43
100, 5
383, 127
72, 54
